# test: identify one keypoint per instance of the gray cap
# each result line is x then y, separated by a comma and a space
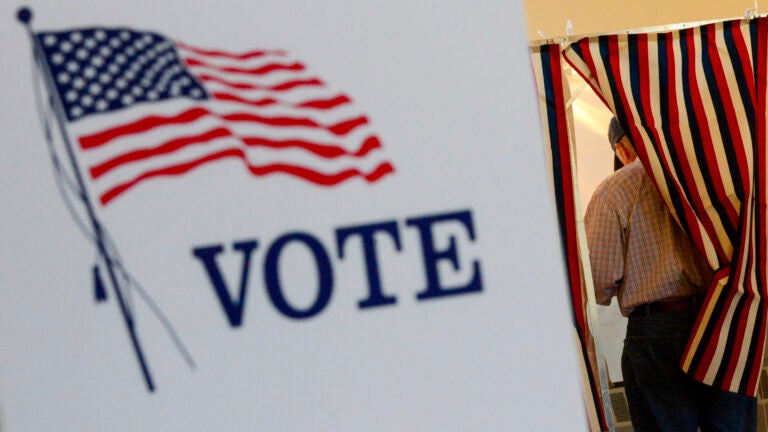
615, 132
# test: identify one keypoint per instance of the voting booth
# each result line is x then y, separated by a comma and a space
691, 97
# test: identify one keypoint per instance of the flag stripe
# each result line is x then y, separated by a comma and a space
319, 149
305, 173
281, 87
321, 104
143, 125
261, 70
165, 148
229, 55
139, 126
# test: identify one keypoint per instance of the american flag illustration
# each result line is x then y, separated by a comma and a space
133, 106
140, 106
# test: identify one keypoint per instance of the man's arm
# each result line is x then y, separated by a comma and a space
604, 228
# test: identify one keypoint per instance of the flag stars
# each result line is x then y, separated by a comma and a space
132, 73
94, 89
50, 40
168, 75
163, 81
89, 72
63, 78
99, 70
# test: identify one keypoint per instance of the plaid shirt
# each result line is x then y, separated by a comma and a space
637, 250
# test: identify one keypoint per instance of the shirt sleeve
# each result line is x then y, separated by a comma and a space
605, 239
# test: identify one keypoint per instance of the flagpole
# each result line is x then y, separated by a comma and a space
24, 16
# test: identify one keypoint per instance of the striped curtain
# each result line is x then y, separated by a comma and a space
553, 93
694, 104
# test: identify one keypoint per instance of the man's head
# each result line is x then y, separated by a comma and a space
620, 142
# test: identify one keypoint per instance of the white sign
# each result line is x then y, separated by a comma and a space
281, 215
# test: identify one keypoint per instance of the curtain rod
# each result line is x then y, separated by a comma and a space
652, 29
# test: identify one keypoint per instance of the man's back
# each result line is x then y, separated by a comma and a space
637, 250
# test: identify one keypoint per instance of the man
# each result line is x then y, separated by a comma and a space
640, 254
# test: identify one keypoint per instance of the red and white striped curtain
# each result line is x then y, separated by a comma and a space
554, 93
694, 104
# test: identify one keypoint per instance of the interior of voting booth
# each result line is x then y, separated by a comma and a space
578, 96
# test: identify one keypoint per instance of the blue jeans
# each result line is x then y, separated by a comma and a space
663, 398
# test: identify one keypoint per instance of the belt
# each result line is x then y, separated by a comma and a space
686, 303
